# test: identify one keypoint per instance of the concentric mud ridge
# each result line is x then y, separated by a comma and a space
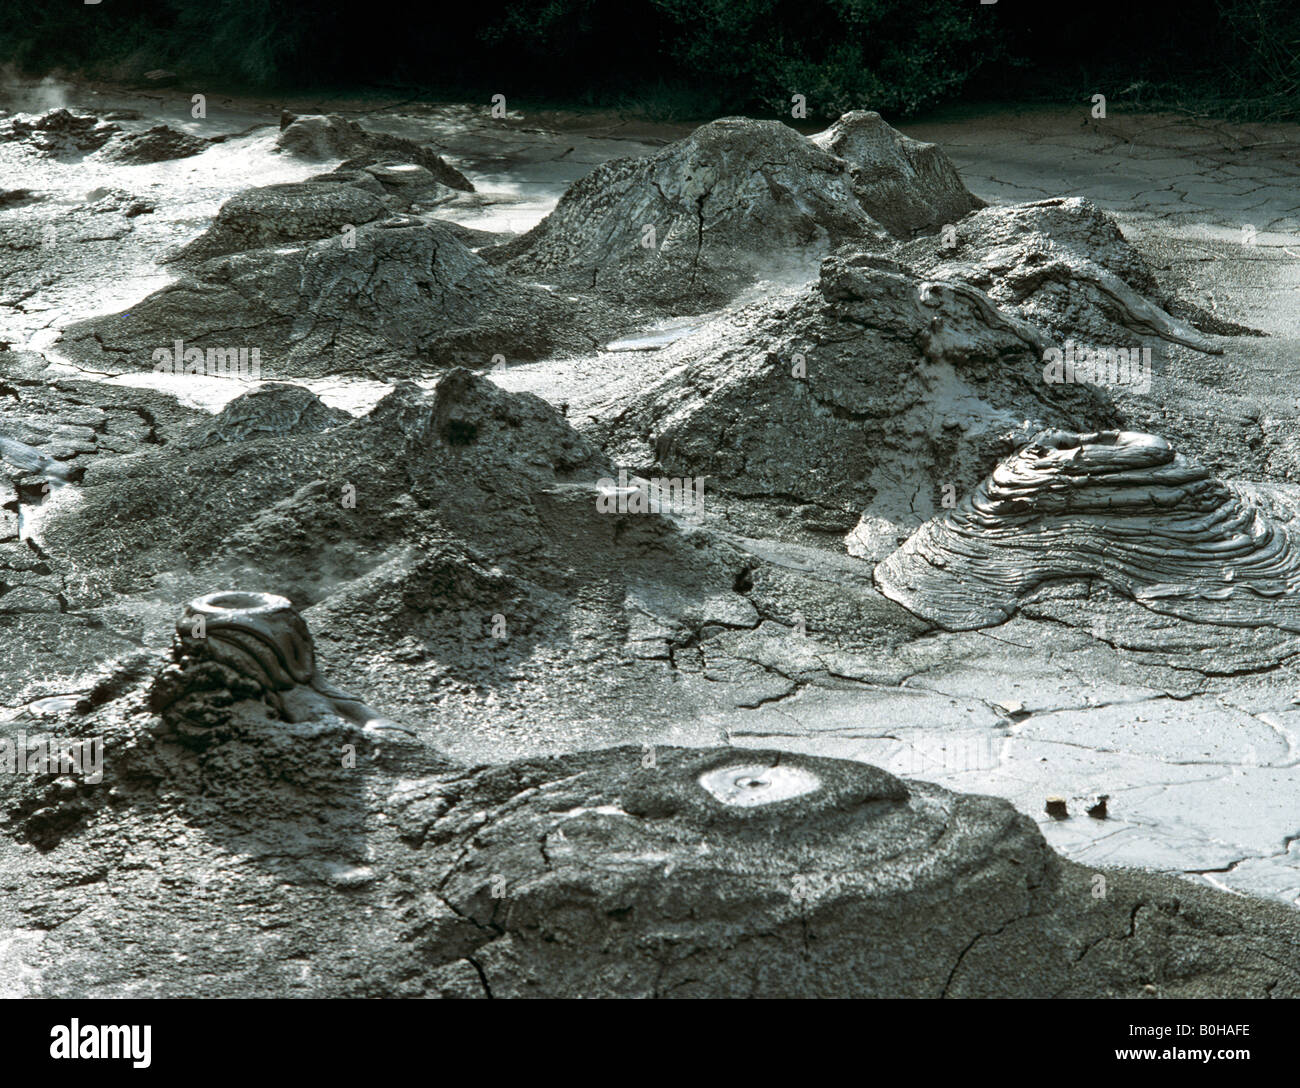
262, 638
1120, 507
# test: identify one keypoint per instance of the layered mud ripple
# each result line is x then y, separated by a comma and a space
1117, 506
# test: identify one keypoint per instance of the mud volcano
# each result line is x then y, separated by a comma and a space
852, 391
324, 205
329, 136
739, 198
272, 409
402, 297
262, 637
292, 212
61, 134
58, 132
1117, 506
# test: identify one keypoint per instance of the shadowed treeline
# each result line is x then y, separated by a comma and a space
695, 57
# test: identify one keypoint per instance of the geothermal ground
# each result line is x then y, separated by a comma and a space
479, 599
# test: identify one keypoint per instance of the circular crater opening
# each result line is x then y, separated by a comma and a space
241, 601
749, 785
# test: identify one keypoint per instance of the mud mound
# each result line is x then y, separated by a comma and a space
330, 136
451, 544
406, 183
161, 143
401, 297
290, 212
1119, 507
907, 185
470, 418
704, 214
58, 132
718, 873
1061, 264
272, 410
10, 198
320, 207
871, 387
279, 479
709, 872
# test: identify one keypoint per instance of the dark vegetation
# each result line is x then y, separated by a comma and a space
694, 58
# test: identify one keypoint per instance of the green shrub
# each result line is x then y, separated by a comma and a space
894, 56
675, 58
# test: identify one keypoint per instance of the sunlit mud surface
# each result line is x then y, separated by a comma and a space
1198, 756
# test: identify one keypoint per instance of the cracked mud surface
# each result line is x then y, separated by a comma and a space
751, 626
708, 872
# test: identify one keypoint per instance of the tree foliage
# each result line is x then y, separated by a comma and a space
707, 56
